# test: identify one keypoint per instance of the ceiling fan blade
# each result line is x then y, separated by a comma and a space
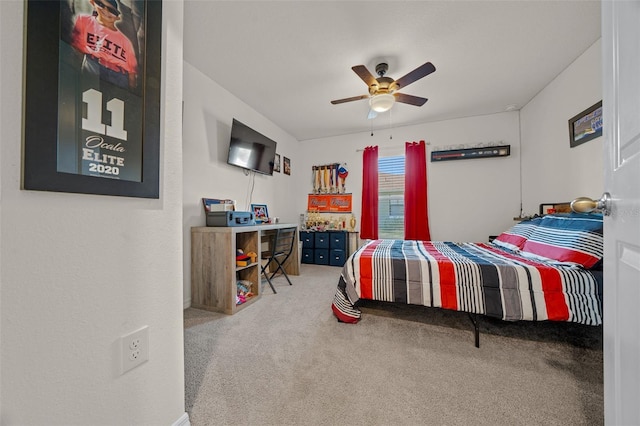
364, 74
422, 71
410, 99
354, 98
372, 114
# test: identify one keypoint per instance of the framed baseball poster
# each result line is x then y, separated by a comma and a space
92, 97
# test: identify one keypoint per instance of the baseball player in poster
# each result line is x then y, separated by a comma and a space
100, 103
107, 51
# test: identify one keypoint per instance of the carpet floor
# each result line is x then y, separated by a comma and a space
286, 360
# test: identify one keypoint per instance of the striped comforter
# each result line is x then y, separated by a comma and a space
470, 277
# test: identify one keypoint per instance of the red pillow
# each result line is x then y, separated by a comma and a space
515, 238
575, 238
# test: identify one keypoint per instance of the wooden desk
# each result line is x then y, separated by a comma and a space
213, 264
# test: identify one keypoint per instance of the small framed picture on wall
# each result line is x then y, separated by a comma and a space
586, 126
276, 163
287, 166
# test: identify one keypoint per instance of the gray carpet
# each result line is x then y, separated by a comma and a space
286, 360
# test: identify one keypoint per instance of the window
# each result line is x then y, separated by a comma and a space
391, 197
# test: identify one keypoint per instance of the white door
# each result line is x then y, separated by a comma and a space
621, 127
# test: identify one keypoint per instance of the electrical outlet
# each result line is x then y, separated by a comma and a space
135, 348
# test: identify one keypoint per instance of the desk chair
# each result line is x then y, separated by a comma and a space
280, 248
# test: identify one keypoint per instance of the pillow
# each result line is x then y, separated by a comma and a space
574, 238
517, 235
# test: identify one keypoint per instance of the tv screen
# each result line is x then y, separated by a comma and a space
251, 150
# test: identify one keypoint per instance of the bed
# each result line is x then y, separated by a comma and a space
548, 268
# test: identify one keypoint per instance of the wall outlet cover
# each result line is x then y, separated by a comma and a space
135, 348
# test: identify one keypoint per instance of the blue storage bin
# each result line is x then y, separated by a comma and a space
321, 240
321, 256
337, 257
307, 255
307, 237
338, 240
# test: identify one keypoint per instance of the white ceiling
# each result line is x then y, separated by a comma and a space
289, 59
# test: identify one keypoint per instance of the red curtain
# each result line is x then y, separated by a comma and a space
416, 220
369, 215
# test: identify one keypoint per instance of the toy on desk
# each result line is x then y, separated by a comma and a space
243, 259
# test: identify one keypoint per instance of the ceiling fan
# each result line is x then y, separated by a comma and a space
383, 90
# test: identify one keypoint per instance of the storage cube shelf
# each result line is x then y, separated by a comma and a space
324, 247
214, 272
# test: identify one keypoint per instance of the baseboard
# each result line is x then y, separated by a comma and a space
186, 304
182, 421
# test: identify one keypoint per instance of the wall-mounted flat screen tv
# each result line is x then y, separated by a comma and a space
251, 150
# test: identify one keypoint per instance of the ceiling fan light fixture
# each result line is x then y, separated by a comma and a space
382, 102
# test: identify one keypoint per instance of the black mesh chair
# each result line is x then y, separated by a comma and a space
281, 243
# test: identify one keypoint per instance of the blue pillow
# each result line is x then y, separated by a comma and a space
575, 238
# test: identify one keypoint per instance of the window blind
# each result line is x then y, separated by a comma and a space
391, 197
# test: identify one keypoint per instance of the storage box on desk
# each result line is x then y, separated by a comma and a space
230, 218
218, 205
221, 207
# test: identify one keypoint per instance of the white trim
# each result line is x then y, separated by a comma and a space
182, 421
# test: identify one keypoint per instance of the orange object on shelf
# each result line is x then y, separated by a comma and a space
329, 203
253, 256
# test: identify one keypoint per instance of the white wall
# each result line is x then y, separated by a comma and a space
472, 199
468, 199
551, 170
208, 112
80, 271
